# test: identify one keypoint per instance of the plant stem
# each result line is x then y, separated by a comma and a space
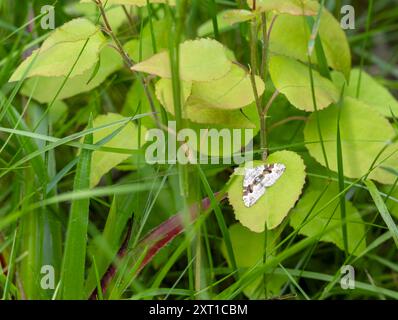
128, 61
254, 58
264, 57
287, 120
264, 76
129, 18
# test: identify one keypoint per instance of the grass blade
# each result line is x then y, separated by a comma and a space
11, 267
73, 268
340, 165
219, 217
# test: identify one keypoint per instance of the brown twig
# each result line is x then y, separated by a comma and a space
264, 58
3, 264
271, 26
269, 104
129, 18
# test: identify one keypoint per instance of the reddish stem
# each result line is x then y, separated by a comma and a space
3, 264
155, 240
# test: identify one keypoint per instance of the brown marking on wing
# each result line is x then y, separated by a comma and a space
268, 169
247, 190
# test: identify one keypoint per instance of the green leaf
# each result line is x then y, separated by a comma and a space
115, 13
58, 112
248, 246
233, 91
223, 141
225, 20
335, 43
144, 47
291, 7
248, 250
127, 138
44, 89
363, 137
139, 3
318, 211
197, 113
294, 43
230, 119
164, 93
200, 60
277, 201
292, 78
73, 267
78, 40
137, 103
288, 7
371, 92
223, 23
236, 16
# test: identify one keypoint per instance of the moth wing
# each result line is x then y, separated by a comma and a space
275, 171
251, 174
251, 198
252, 192
258, 179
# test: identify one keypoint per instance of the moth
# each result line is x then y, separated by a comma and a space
258, 179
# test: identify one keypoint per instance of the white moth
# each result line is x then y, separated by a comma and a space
258, 179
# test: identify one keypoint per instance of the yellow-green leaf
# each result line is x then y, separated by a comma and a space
233, 91
199, 113
136, 102
291, 7
277, 201
164, 93
371, 92
78, 40
58, 111
290, 37
237, 15
45, 89
139, 3
292, 78
228, 118
127, 138
200, 60
364, 133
